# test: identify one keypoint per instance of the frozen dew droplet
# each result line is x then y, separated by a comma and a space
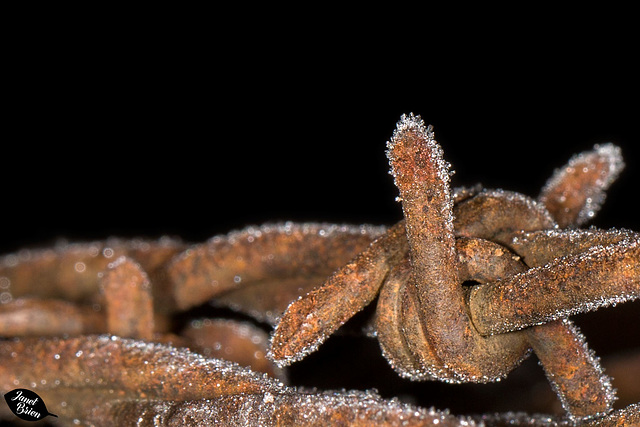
5, 283
5, 297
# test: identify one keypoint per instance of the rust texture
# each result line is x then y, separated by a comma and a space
464, 288
37, 317
574, 194
241, 342
127, 296
301, 254
311, 319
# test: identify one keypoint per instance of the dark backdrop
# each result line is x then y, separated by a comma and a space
142, 152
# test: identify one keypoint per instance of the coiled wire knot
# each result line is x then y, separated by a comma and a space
528, 276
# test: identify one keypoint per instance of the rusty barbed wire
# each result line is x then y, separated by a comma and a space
466, 285
424, 324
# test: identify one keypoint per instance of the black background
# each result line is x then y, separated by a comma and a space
144, 148
159, 135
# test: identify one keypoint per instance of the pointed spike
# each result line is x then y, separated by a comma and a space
573, 370
575, 192
309, 321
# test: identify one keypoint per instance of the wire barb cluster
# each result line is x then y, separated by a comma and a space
531, 275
